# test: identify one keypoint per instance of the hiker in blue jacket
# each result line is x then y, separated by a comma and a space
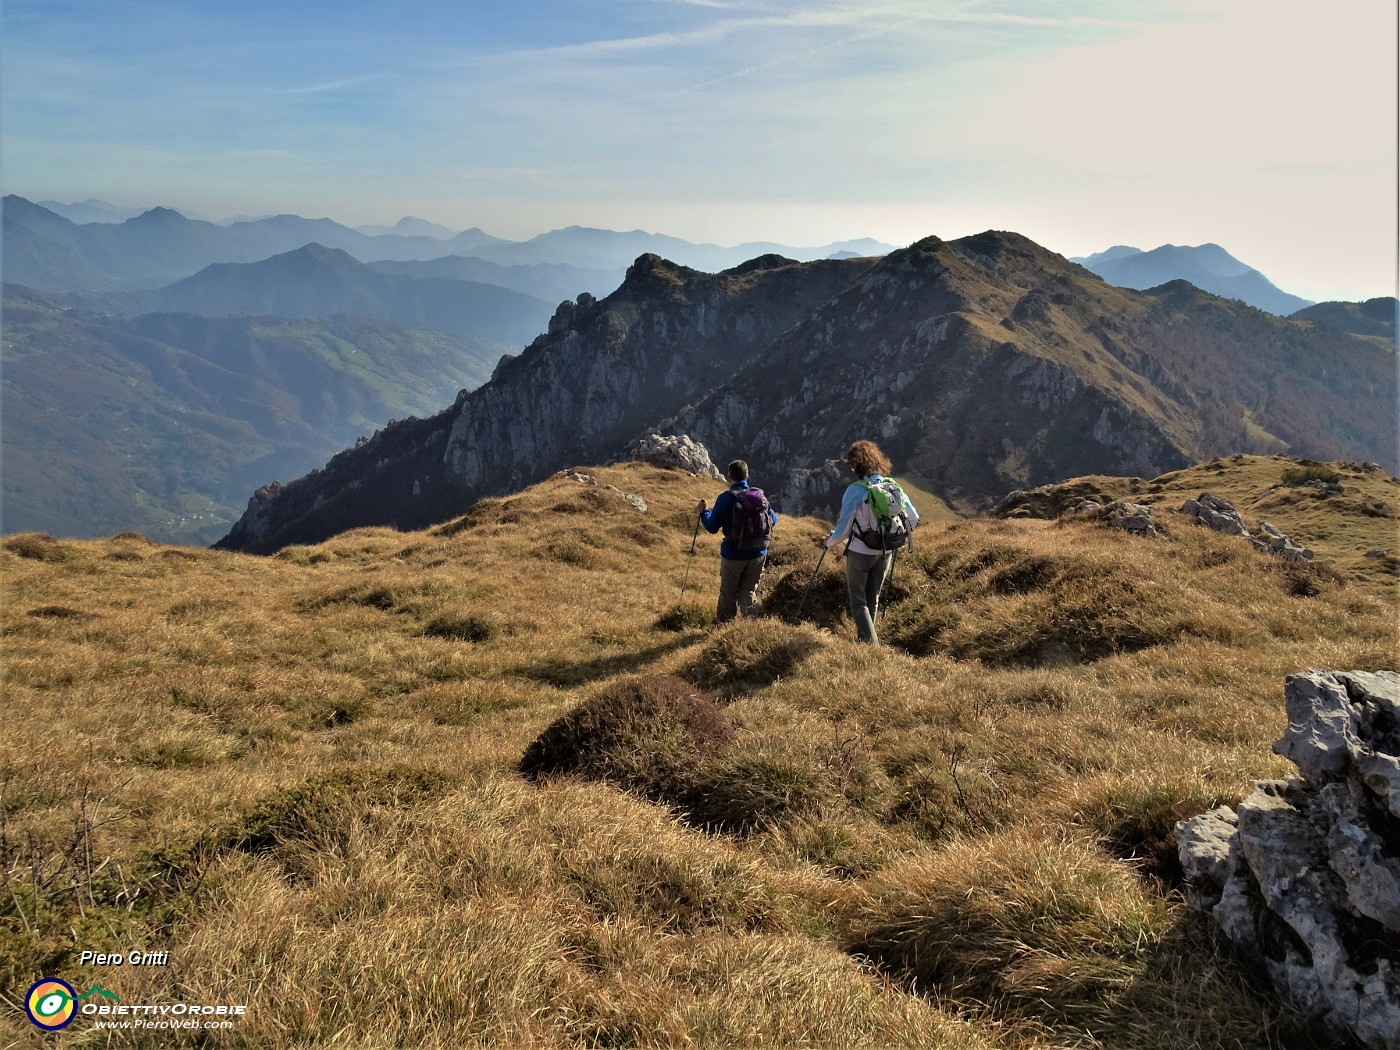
742, 511
868, 558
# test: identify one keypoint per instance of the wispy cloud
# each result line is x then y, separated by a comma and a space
327, 86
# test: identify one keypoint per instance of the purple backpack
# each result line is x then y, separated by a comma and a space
751, 522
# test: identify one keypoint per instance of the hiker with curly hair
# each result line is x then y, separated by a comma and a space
876, 519
742, 511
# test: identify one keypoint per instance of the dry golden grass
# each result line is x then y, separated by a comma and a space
1340, 527
300, 776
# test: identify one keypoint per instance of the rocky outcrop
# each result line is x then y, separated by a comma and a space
1274, 541
679, 451
1130, 517
250, 532
1217, 514
1304, 875
608, 370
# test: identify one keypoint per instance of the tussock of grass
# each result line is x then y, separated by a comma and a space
685, 618
63, 612
1053, 601
299, 555
826, 600
317, 809
39, 546
1135, 818
1016, 921
800, 767
1047, 930
301, 776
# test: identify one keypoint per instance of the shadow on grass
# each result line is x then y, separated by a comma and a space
565, 673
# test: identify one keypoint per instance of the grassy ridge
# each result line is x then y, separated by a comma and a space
1341, 524
300, 775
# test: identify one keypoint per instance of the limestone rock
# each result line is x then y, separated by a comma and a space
1346, 725
1219, 515
1303, 875
679, 451
1271, 540
1131, 517
1206, 853
1216, 514
630, 498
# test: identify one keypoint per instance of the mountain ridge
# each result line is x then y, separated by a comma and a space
319, 281
982, 364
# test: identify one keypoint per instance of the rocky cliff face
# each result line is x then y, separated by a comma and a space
981, 365
607, 370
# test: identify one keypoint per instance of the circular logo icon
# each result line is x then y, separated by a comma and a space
51, 1004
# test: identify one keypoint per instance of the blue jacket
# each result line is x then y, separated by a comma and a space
720, 517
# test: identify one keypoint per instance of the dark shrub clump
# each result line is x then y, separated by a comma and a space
685, 618
641, 733
462, 628
1305, 472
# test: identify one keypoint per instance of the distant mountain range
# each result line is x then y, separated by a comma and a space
316, 281
981, 365
608, 249
409, 226
48, 252
162, 423
1208, 266
96, 246
91, 210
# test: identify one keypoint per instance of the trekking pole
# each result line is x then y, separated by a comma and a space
691, 562
798, 615
880, 598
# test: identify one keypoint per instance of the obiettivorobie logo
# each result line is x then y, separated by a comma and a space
52, 1003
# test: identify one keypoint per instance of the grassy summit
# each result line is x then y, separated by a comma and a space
302, 776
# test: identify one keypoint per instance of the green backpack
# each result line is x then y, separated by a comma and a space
882, 522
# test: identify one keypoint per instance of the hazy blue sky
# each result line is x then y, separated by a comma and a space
1267, 126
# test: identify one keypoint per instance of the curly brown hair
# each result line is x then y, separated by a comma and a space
865, 458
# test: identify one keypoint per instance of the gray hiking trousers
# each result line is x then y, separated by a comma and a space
737, 582
865, 575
